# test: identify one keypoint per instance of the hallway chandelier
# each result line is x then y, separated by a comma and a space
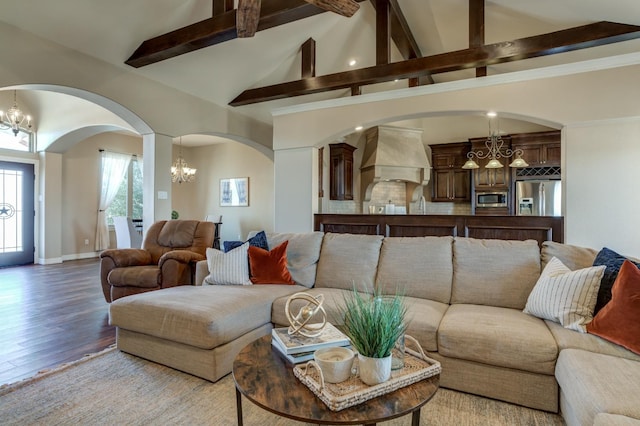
494, 144
180, 171
14, 118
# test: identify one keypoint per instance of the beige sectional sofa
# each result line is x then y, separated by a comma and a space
465, 300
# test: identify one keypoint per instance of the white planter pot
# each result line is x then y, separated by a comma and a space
374, 370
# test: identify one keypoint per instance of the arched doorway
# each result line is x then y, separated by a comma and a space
63, 116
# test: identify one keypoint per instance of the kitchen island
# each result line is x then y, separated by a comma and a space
539, 228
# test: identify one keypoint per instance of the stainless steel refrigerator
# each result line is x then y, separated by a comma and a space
538, 198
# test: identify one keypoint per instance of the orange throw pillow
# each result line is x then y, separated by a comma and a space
619, 320
269, 267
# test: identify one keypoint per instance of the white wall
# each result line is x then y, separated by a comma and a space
601, 185
197, 199
50, 208
296, 184
597, 93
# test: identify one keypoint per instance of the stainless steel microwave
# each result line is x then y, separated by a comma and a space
492, 199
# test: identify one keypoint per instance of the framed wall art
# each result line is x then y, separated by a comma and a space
234, 192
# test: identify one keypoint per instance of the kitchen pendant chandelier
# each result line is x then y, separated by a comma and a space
14, 118
180, 171
495, 144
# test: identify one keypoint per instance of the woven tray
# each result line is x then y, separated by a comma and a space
338, 396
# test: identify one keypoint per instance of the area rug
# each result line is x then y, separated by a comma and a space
116, 388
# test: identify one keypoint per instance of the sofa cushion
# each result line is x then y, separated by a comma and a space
613, 262
496, 336
494, 272
270, 267
423, 319
565, 296
570, 339
574, 257
303, 252
619, 320
595, 383
203, 316
228, 268
416, 267
147, 276
348, 260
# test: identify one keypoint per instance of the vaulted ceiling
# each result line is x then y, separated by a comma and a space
112, 31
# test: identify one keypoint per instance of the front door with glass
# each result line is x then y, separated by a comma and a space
16, 213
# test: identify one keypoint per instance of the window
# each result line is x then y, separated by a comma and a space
20, 142
128, 200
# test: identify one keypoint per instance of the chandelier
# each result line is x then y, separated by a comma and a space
14, 118
494, 144
180, 171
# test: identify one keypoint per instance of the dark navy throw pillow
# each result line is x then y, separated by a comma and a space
613, 262
258, 240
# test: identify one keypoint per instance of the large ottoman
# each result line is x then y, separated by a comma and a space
198, 330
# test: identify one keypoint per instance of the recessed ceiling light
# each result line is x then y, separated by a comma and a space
358, 128
492, 114
352, 62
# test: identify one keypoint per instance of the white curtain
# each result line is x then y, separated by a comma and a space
114, 168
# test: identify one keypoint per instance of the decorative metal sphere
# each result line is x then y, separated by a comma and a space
299, 323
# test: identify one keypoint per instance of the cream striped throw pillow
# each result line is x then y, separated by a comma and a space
228, 268
564, 296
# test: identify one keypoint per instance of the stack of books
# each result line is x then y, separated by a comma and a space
297, 348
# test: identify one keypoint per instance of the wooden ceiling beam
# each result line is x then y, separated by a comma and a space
401, 33
576, 38
217, 29
476, 29
383, 32
341, 7
308, 58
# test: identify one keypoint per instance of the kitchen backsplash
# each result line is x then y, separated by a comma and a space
394, 191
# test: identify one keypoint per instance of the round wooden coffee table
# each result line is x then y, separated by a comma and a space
266, 379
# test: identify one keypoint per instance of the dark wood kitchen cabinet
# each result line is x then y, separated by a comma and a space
540, 149
491, 179
451, 183
341, 171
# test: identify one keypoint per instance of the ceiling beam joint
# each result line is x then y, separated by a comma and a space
402, 36
221, 6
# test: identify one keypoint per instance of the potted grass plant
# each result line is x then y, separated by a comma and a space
374, 323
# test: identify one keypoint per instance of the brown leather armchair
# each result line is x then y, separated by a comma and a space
167, 259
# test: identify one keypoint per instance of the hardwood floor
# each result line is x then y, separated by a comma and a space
50, 315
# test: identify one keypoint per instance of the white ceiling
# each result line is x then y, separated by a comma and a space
112, 30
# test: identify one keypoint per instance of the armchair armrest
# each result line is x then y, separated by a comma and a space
181, 256
178, 267
127, 257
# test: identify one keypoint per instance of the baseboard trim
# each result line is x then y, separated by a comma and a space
79, 256
67, 257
